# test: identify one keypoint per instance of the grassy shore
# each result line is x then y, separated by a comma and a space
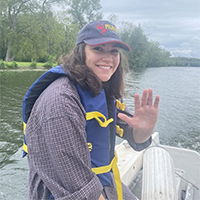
25, 65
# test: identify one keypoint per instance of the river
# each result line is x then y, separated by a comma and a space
178, 122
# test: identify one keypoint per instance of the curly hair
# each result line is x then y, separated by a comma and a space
74, 65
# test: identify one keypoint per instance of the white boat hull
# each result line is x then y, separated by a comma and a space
186, 166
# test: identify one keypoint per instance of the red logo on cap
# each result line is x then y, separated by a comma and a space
101, 27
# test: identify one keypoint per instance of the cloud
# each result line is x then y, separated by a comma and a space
175, 24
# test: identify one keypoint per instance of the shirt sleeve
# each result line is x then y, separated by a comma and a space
128, 133
58, 150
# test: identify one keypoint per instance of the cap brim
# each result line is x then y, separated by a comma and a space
94, 42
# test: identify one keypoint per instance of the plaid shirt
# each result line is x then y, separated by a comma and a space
59, 159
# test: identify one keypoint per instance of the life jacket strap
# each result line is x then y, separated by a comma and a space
97, 115
24, 142
120, 105
89, 146
119, 131
107, 168
25, 147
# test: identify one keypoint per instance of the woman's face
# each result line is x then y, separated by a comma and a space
103, 59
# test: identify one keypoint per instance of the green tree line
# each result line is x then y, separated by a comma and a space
33, 30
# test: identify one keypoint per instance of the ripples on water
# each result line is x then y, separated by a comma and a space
178, 122
13, 169
13, 88
179, 112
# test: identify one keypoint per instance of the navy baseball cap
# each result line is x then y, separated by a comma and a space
100, 32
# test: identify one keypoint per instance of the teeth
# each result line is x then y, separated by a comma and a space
104, 67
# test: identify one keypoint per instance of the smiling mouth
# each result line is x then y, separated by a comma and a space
104, 67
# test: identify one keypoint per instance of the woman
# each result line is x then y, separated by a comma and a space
73, 115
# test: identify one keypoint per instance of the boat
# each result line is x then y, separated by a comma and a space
160, 172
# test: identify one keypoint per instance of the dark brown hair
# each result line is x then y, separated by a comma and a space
74, 65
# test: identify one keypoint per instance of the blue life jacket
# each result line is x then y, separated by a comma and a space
34, 92
97, 128
98, 132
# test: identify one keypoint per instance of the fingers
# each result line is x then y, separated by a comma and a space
150, 97
147, 99
156, 102
144, 97
137, 101
125, 118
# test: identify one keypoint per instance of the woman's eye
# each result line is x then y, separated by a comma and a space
115, 51
97, 48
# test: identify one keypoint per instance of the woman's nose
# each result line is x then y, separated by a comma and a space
107, 57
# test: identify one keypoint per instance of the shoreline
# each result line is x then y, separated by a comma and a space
25, 69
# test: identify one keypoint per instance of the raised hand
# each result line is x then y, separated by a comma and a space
145, 116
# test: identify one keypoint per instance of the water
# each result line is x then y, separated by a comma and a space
179, 113
178, 122
13, 169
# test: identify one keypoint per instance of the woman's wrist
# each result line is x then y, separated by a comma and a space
140, 136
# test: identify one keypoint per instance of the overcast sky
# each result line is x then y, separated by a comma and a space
175, 24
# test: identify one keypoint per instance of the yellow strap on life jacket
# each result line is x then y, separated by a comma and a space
24, 127
24, 145
89, 146
96, 115
107, 168
119, 131
120, 105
